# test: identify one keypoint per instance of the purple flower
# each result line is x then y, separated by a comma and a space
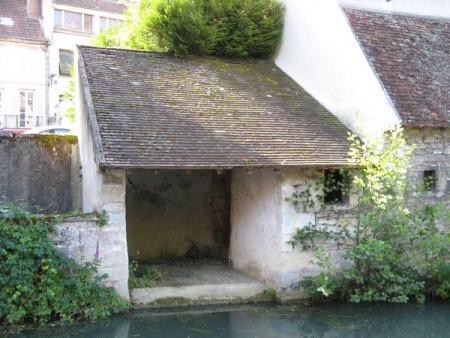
97, 251
67, 253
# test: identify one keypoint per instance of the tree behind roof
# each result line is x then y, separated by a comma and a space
229, 28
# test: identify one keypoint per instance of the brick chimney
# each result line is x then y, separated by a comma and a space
34, 9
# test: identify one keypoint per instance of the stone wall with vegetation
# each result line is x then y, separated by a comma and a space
432, 155
96, 239
41, 171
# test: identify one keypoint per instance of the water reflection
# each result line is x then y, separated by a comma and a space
267, 320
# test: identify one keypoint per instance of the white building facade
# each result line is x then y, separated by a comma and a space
23, 50
37, 43
68, 23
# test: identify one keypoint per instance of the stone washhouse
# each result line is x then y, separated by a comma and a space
199, 154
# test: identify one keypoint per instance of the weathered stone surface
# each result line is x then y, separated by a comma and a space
85, 241
41, 171
432, 148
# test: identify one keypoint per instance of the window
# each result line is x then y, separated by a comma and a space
429, 180
108, 23
336, 186
73, 21
2, 118
26, 110
65, 61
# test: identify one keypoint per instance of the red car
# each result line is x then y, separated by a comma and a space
13, 131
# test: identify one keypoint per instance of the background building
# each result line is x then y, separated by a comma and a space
23, 51
37, 43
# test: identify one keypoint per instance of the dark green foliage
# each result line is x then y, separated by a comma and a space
231, 28
38, 282
249, 28
380, 273
183, 26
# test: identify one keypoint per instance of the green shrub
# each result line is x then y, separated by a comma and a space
38, 282
398, 244
230, 28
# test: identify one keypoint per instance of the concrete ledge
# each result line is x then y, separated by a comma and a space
199, 295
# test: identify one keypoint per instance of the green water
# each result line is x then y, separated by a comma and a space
330, 320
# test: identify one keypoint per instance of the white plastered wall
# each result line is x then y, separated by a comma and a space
256, 225
103, 190
320, 52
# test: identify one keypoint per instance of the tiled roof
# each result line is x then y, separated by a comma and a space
411, 56
151, 110
112, 6
15, 24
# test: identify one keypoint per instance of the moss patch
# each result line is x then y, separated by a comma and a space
171, 301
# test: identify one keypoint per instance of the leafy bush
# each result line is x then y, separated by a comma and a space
396, 245
230, 28
38, 282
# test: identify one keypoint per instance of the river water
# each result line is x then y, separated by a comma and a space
328, 320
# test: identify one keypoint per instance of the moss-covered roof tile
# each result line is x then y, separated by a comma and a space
156, 111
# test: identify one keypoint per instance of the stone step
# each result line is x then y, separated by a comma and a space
232, 293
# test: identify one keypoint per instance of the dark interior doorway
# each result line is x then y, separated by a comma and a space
174, 214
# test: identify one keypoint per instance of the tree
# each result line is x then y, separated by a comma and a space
230, 28
69, 95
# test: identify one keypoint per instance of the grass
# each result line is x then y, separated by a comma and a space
144, 276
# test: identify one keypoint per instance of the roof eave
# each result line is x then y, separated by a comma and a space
42, 41
316, 165
90, 111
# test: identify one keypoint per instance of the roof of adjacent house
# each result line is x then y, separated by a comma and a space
411, 57
111, 6
15, 23
152, 110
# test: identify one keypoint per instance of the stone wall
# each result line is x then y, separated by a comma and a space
84, 240
262, 222
432, 152
41, 170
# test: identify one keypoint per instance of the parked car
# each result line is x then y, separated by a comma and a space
13, 131
49, 130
